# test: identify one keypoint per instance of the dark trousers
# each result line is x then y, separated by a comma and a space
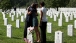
27, 24
43, 31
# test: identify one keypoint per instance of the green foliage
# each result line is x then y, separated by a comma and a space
17, 33
5, 4
72, 3
48, 3
59, 3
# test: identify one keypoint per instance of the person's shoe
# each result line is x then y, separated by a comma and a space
25, 39
38, 41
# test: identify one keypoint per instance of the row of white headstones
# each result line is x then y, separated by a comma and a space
67, 15
12, 15
9, 26
58, 34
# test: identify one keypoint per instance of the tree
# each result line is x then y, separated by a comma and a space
5, 4
8, 4
59, 3
48, 3
72, 3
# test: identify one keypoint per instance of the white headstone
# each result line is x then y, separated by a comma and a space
59, 22
29, 34
51, 15
55, 17
24, 15
61, 15
49, 27
67, 18
14, 13
74, 15
12, 18
17, 15
58, 37
75, 24
57, 14
10, 14
70, 30
3, 15
20, 13
17, 23
9, 30
48, 13
22, 18
71, 16
5, 21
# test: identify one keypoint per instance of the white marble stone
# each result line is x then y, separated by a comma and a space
14, 13
57, 14
55, 18
9, 30
17, 23
71, 16
58, 37
61, 15
59, 22
3, 15
22, 18
5, 21
10, 14
30, 34
49, 27
51, 15
12, 18
74, 15
75, 24
17, 15
25, 13
70, 30
67, 19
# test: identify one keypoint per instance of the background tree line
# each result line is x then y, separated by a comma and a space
8, 4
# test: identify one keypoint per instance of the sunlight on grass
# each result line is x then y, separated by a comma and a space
17, 33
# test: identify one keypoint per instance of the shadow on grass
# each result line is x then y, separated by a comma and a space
16, 38
47, 42
0, 34
65, 42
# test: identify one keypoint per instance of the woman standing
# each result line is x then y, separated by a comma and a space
31, 20
35, 22
43, 22
28, 21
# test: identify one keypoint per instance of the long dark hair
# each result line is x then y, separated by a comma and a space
42, 3
34, 5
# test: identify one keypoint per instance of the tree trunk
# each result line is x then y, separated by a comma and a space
57, 8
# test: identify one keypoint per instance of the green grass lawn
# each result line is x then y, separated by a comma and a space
17, 33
